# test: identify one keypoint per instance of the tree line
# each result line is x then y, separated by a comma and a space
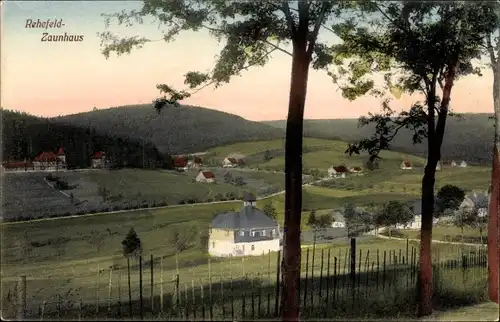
25, 136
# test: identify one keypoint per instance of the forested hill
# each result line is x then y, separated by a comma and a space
468, 137
176, 129
25, 136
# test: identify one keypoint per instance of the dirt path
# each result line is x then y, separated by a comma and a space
434, 241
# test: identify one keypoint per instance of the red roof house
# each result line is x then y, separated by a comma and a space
98, 155
180, 162
205, 176
406, 164
61, 151
46, 157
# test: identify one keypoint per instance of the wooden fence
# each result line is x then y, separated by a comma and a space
354, 283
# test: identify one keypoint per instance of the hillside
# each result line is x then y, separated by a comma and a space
25, 136
467, 138
177, 129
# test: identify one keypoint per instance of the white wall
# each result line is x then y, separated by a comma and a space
227, 248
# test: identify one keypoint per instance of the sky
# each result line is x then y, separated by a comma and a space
60, 78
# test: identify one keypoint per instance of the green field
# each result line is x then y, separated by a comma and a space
317, 153
445, 233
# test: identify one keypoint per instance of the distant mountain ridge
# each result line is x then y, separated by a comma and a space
184, 129
469, 137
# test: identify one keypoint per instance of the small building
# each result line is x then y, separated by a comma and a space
438, 166
338, 171
463, 164
406, 165
98, 160
205, 176
247, 232
338, 220
50, 161
18, 166
356, 170
479, 201
453, 163
180, 163
230, 163
195, 163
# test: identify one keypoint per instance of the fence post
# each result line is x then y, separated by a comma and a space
97, 292
129, 288
43, 310
21, 296
120, 292
353, 268
152, 284
140, 289
161, 284
305, 280
109, 289
278, 271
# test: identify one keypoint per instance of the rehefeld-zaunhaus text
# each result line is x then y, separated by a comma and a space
52, 23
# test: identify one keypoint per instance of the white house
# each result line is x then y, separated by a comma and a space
477, 200
338, 220
248, 232
205, 176
337, 172
453, 163
50, 161
463, 164
195, 163
98, 160
406, 165
438, 166
229, 163
17, 166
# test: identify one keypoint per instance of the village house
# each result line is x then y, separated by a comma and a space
50, 161
195, 163
480, 201
229, 163
205, 176
356, 170
18, 166
406, 165
248, 232
453, 163
463, 164
180, 163
98, 160
338, 171
438, 166
338, 220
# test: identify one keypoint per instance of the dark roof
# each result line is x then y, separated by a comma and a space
232, 160
407, 164
17, 164
248, 197
247, 218
208, 174
341, 169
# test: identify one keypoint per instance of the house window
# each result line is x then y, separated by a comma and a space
213, 244
253, 233
253, 247
242, 233
263, 233
227, 233
274, 232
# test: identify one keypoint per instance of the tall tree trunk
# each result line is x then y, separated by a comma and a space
293, 183
435, 140
494, 208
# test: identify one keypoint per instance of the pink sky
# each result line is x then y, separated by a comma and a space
52, 79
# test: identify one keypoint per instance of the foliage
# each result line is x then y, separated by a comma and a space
270, 210
393, 213
239, 181
172, 131
475, 149
449, 197
267, 155
203, 238
131, 244
311, 220
465, 218
228, 177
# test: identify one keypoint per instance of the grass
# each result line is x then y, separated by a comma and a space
76, 280
479, 312
126, 188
